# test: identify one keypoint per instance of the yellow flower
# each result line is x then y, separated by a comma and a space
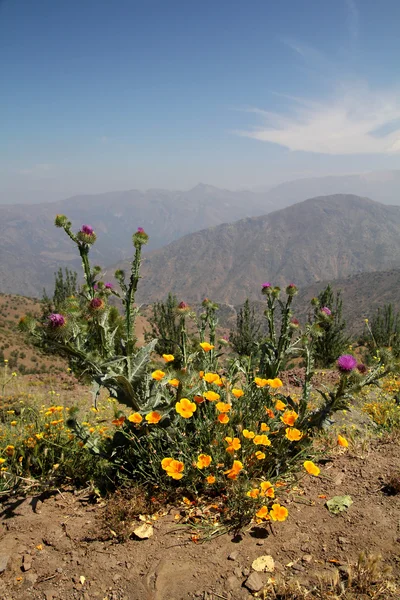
253, 493
223, 418
263, 513
13, 423
233, 444
210, 479
280, 405
210, 377
278, 513
311, 468
185, 408
168, 357
203, 461
248, 434
264, 427
212, 396
173, 382
275, 383
2, 461
223, 407
289, 417
206, 346
342, 441
237, 392
173, 467
135, 418
235, 470
262, 440
158, 375
293, 435
153, 417
260, 455
267, 489
9, 450
260, 382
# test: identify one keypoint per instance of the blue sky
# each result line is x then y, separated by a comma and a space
100, 95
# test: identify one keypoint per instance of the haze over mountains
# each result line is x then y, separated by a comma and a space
31, 248
322, 238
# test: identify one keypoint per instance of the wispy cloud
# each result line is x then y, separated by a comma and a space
357, 121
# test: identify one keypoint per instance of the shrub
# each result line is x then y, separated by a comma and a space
333, 340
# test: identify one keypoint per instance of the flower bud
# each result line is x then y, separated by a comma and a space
291, 289
60, 221
56, 320
86, 235
327, 311
266, 288
140, 237
96, 304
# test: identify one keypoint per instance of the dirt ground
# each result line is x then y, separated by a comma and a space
55, 549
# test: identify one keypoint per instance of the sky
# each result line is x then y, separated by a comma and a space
99, 95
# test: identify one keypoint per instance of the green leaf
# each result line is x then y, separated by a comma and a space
338, 504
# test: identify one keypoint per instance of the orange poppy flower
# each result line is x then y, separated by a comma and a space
237, 392
264, 427
173, 467
210, 377
235, 470
270, 413
223, 407
198, 399
135, 418
211, 396
311, 468
118, 422
263, 513
203, 461
185, 408
289, 417
168, 357
206, 346
260, 382
153, 417
293, 434
275, 383
223, 418
210, 479
158, 375
173, 382
254, 493
260, 455
278, 513
280, 405
342, 441
267, 489
248, 434
262, 440
233, 444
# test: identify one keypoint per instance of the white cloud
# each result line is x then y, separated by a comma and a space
355, 121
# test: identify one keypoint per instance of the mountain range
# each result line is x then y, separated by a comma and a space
320, 239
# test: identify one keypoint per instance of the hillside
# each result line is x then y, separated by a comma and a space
32, 249
320, 239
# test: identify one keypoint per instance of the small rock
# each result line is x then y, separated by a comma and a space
246, 572
254, 582
342, 540
232, 583
260, 543
26, 562
297, 567
279, 566
31, 578
233, 555
264, 564
4, 559
143, 532
307, 558
238, 572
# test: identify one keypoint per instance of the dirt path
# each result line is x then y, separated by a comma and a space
53, 550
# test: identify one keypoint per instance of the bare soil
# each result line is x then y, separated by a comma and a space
54, 547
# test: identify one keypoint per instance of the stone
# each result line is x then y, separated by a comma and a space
26, 562
233, 555
307, 558
4, 560
264, 564
232, 583
254, 582
143, 532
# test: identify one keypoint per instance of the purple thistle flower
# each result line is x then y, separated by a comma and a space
95, 287
267, 284
183, 305
140, 230
87, 229
361, 368
56, 320
326, 310
96, 303
346, 363
108, 286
